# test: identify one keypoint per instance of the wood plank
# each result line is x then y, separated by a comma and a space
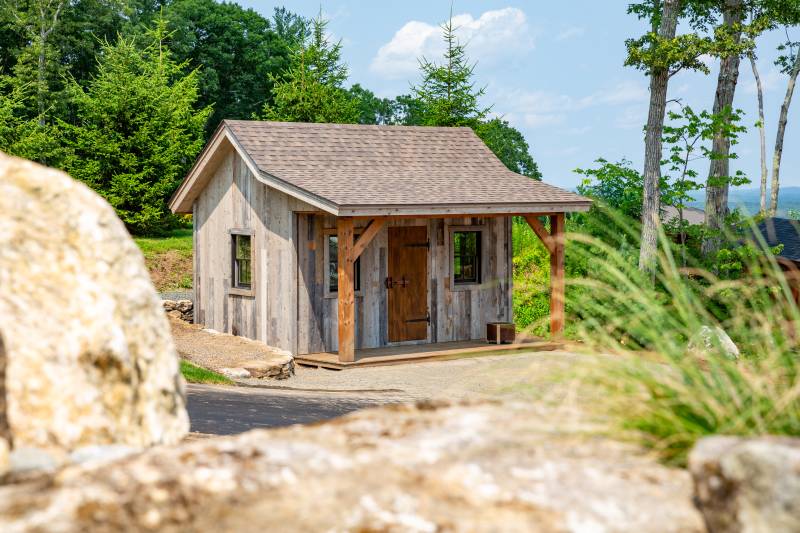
346, 296
372, 229
417, 353
557, 281
541, 232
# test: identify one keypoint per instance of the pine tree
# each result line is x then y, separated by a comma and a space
137, 131
447, 91
312, 88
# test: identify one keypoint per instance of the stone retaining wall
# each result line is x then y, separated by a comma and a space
183, 309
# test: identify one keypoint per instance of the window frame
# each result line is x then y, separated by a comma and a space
468, 285
241, 290
326, 235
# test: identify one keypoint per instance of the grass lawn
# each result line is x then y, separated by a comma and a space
169, 259
195, 374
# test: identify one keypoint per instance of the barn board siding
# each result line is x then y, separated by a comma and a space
234, 199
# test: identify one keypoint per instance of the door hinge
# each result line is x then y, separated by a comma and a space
426, 319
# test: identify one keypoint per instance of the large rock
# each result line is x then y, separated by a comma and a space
712, 340
485, 467
748, 485
90, 360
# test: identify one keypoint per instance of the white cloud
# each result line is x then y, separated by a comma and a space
632, 117
543, 108
770, 80
494, 35
570, 33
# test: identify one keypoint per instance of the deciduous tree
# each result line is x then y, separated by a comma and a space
239, 50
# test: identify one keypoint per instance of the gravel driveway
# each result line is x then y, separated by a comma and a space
518, 375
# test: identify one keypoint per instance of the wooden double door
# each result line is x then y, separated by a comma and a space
407, 283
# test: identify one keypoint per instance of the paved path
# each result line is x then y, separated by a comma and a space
228, 410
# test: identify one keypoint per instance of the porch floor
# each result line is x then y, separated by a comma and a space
417, 353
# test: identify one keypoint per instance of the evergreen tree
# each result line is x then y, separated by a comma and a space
312, 88
447, 92
137, 131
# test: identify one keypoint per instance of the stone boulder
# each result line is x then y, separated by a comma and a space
709, 340
748, 485
90, 359
425, 468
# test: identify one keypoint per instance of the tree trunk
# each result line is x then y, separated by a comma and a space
762, 134
40, 78
717, 185
651, 205
782, 120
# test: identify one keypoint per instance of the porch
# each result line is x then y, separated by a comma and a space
417, 353
409, 315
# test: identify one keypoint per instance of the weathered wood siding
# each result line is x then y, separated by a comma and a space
456, 314
234, 199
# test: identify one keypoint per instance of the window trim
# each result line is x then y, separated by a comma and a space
242, 291
328, 293
452, 230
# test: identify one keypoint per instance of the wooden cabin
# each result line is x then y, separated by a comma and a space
331, 238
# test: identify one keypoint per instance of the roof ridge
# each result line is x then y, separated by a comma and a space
333, 125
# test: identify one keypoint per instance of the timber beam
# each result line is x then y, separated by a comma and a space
369, 233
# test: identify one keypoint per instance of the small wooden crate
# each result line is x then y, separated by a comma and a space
500, 332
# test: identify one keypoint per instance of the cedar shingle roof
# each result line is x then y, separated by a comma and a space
364, 168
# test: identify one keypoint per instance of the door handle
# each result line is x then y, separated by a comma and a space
388, 283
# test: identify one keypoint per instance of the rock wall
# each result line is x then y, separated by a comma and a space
182, 309
90, 359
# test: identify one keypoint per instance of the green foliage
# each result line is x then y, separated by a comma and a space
178, 240
615, 184
447, 92
676, 395
311, 90
137, 131
195, 374
239, 52
23, 136
509, 145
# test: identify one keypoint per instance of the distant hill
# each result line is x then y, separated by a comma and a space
749, 199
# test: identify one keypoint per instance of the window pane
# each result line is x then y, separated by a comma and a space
242, 270
333, 266
466, 256
242, 247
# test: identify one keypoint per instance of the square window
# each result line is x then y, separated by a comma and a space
466, 257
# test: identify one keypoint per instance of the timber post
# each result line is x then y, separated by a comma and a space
554, 242
557, 282
346, 289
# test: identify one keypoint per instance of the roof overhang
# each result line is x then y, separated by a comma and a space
457, 210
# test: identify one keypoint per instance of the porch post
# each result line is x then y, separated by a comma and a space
557, 275
346, 303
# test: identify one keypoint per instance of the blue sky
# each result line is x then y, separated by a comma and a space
553, 69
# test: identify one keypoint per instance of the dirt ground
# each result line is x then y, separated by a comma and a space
217, 351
